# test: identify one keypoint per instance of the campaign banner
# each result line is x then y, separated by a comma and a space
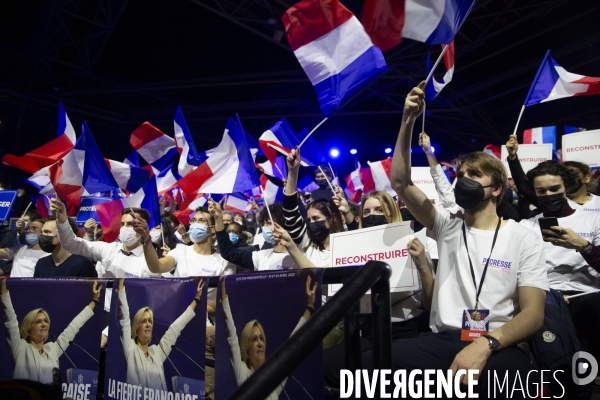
7, 198
421, 177
88, 209
583, 147
59, 313
530, 155
387, 243
248, 332
156, 339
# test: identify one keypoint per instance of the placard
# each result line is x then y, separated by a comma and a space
421, 177
7, 198
530, 155
583, 147
387, 243
88, 209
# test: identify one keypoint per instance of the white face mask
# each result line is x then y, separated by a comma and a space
178, 235
127, 236
155, 236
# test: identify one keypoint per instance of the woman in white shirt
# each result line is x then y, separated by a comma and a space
33, 358
145, 361
249, 354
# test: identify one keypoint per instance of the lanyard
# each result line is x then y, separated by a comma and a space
486, 263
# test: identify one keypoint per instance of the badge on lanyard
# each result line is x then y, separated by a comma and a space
475, 323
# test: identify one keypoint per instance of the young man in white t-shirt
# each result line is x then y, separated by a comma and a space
572, 248
512, 290
25, 257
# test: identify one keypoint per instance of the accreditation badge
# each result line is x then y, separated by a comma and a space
475, 323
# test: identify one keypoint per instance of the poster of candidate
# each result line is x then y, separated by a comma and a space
256, 314
52, 332
156, 339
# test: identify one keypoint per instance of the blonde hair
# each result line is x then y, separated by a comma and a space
390, 209
29, 321
137, 320
246, 341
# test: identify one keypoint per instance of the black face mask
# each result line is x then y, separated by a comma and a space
374, 220
322, 183
317, 231
552, 203
46, 243
469, 193
576, 187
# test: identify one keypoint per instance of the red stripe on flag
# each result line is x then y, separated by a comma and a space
449, 56
109, 215
593, 88
383, 20
527, 136
308, 20
144, 134
69, 193
191, 182
41, 157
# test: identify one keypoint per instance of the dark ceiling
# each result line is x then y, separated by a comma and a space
118, 63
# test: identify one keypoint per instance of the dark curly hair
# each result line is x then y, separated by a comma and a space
276, 212
552, 167
583, 168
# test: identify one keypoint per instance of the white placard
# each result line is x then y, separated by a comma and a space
530, 155
421, 177
385, 243
583, 147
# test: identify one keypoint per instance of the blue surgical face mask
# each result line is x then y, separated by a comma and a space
233, 237
32, 239
198, 232
268, 235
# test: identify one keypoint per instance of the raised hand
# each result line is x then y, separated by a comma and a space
310, 293
121, 284
165, 249
340, 200
199, 289
214, 208
58, 209
90, 226
96, 289
3, 289
140, 226
425, 143
294, 159
512, 146
281, 235
415, 100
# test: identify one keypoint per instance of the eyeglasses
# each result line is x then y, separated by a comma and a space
199, 221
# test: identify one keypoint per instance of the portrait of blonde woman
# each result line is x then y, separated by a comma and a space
145, 360
33, 356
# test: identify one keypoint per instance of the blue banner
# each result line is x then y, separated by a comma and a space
88, 209
7, 198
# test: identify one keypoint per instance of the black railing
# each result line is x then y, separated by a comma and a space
374, 275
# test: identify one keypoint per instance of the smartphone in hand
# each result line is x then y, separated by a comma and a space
547, 222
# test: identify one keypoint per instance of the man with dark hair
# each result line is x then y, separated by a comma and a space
61, 262
572, 248
324, 191
486, 264
26, 256
123, 259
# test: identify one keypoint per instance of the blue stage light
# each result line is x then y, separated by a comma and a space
334, 153
388, 150
353, 151
432, 149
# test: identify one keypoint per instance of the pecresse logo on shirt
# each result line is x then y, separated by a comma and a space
212, 271
589, 235
502, 265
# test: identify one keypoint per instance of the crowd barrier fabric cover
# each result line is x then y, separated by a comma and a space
176, 329
277, 301
66, 302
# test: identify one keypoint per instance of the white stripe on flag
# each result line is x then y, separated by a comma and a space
422, 18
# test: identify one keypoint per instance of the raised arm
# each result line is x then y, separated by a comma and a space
442, 185
9, 318
284, 238
414, 199
124, 320
516, 170
155, 265
294, 223
342, 204
240, 370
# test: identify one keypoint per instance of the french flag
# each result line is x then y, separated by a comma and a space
188, 155
154, 146
276, 170
493, 150
553, 82
229, 169
128, 177
236, 202
49, 153
431, 21
307, 185
333, 49
311, 151
434, 87
132, 159
166, 179
354, 181
380, 171
147, 198
279, 138
270, 191
544, 134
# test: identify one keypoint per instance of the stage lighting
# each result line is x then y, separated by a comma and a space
432, 149
388, 150
353, 151
334, 153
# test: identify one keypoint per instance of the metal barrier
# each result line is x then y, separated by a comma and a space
374, 275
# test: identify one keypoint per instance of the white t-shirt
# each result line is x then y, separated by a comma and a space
24, 260
567, 269
517, 260
267, 259
591, 206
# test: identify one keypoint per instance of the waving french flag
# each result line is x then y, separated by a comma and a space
279, 138
229, 169
427, 21
49, 153
276, 170
434, 87
153, 145
553, 82
188, 155
270, 190
236, 202
128, 177
147, 198
334, 50
543, 134
132, 159
166, 179
380, 171
354, 180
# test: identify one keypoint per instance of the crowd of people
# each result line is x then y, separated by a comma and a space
487, 253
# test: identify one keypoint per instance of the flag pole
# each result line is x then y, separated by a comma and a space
126, 202
431, 73
278, 169
266, 205
423, 118
27, 209
519, 119
311, 132
330, 185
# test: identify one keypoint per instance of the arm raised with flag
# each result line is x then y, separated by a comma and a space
414, 199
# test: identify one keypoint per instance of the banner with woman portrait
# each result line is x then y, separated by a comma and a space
156, 339
51, 332
256, 314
